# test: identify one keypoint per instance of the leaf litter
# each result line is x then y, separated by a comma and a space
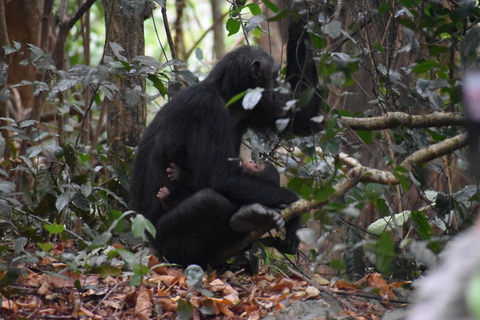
51, 290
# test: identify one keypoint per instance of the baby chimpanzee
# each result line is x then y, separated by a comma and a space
262, 170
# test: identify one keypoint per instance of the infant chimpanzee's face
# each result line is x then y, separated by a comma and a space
252, 166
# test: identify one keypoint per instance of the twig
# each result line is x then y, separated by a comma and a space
106, 296
169, 34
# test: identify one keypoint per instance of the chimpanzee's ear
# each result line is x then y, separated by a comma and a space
256, 69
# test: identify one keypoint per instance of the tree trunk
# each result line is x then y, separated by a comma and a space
125, 123
218, 29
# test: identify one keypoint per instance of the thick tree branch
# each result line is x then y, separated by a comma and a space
353, 176
395, 119
434, 151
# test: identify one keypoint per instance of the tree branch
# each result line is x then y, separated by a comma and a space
434, 151
351, 178
395, 119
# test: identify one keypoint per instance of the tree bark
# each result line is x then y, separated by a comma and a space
218, 28
125, 124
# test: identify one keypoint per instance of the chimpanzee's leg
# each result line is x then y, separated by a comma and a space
196, 229
199, 227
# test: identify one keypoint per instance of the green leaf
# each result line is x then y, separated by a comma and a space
157, 83
366, 136
385, 250
136, 280
384, 8
101, 240
45, 246
236, 97
233, 26
337, 264
184, 310
402, 175
62, 201
318, 42
323, 194
435, 135
140, 269
425, 66
254, 9
270, 5
333, 29
107, 270
301, 186
421, 223
207, 310
388, 223
140, 224
199, 54
54, 228
379, 47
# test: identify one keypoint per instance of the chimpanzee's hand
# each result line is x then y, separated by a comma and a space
173, 172
291, 242
256, 216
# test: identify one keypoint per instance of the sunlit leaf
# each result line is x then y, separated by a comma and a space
252, 97
388, 223
254, 22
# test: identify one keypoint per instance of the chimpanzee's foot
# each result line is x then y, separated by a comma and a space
256, 216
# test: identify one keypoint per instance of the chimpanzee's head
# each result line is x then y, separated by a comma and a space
245, 68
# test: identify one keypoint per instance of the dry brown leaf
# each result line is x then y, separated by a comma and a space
375, 280
166, 280
9, 305
44, 289
87, 312
59, 282
312, 292
255, 315
284, 284
144, 305
153, 261
57, 249
398, 284
252, 308
48, 311
342, 284
168, 304
216, 285
279, 306
33, 303
47, 261
224, 309
220, 300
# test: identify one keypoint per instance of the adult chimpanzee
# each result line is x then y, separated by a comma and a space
197, 132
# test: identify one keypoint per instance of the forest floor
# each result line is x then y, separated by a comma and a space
51, 290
